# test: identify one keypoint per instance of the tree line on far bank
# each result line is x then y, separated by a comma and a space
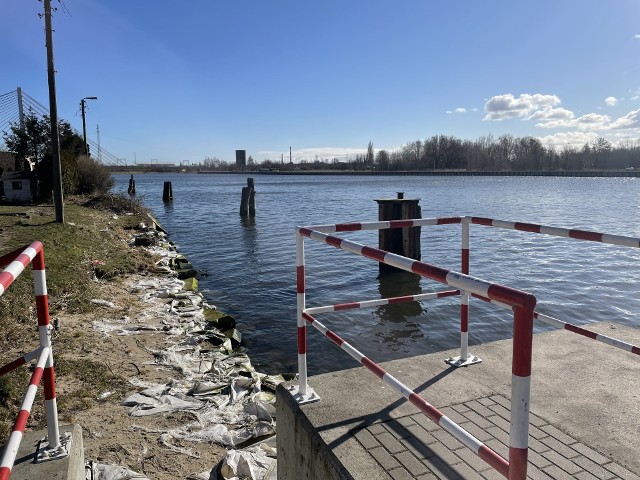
489, 154
31, 149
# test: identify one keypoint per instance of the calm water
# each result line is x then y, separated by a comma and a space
251, 264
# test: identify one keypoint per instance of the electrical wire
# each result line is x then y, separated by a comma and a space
9, 116
64, 8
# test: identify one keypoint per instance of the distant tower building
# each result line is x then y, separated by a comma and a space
241, 160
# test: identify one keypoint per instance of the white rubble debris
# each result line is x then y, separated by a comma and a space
216, 383
99, 471
103, 303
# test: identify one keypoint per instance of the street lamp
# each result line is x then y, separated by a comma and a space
84, 125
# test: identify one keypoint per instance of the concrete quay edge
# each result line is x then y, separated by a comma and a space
67, 468
584, 389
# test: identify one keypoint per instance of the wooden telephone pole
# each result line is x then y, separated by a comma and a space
53, 111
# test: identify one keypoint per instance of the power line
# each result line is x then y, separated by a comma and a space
9, 103
34, 101
9, 115
64, 8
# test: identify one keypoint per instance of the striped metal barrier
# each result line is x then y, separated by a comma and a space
522, 303
619, 240
466, 287
15, 263
465, 358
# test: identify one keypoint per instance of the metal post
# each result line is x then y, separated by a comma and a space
300, 305
84, 128
53, 111
465, 358
464, 298
302, 393
42, 310
521, 390
84, 124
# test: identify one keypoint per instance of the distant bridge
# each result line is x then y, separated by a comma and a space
16, 104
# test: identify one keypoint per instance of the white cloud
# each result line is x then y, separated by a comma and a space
552, 117
561, 140
593, 121
630, 120
637, 36
501, 107
545, 112
622, 137
457, 110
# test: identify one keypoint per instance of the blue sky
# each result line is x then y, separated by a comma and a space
186, 80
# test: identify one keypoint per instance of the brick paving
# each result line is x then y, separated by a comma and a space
413, 447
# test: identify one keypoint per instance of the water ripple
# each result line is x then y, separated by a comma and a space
251, 264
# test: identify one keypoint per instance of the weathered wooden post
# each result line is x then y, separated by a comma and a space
132, 186
248, 199
167, 192
403, 241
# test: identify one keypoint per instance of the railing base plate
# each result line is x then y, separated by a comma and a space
460, 362
310, 397
45, 454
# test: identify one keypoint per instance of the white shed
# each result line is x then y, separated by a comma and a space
19, 187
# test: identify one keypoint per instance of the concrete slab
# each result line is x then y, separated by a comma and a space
68, 468
584, 393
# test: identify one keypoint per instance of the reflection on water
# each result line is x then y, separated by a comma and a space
168, 207
248, 222
249, 236
399, 284
398, 323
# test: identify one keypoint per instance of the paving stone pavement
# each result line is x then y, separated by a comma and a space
414, 447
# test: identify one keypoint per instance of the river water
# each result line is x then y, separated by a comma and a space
250, 264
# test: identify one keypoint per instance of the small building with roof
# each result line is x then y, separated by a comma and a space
18, 186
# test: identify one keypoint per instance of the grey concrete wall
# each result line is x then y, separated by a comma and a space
302, 454
585, 389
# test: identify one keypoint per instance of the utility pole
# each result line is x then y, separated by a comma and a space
84, 129
84, 124
53, 111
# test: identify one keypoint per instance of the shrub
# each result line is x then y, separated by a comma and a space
93, 177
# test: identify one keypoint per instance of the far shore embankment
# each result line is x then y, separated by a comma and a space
426, 173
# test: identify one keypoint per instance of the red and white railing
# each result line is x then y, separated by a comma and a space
15, 263
521, 303
465, 357
479, 448
619, 240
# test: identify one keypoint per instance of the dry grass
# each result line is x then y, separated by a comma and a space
93, 242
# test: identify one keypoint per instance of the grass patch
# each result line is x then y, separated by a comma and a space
92, 242
91, 379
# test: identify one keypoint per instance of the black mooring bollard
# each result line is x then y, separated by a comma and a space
132, 186
248, 200
402, 241
167, 192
